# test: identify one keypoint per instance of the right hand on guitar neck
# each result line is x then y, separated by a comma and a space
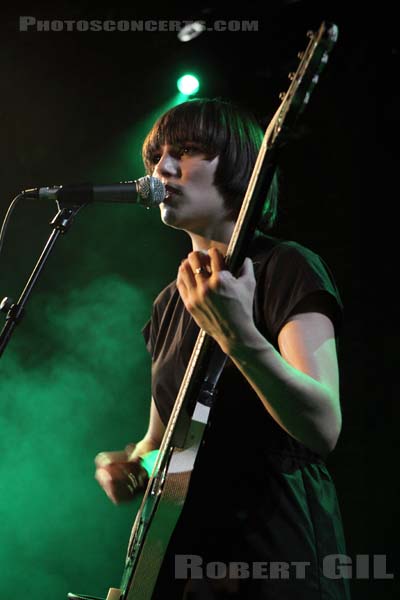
120, 473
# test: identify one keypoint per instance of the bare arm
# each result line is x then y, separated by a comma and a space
300, 385
153, 437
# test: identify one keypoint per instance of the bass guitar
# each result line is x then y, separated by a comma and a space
170, 477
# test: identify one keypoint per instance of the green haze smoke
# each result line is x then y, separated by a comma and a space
82, 388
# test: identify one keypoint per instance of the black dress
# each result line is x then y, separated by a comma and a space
257, 497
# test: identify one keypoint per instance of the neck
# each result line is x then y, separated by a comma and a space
219, 240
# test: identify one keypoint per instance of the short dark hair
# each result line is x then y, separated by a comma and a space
222, 129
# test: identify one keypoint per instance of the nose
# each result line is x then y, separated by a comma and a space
167, 166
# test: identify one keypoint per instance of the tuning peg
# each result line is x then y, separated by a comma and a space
291, 76
300, 55
310, 34
282, 95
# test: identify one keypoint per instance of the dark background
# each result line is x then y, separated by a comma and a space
75, 107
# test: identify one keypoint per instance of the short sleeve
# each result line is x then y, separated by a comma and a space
148, 334
297, 279
151, 328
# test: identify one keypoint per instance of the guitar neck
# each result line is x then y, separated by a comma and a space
167, 488
207, 360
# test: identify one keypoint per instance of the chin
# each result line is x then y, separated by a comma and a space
169, 216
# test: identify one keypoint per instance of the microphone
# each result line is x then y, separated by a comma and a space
148, 191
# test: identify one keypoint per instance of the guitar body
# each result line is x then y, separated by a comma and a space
168, 502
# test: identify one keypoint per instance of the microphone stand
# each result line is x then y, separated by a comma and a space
15, 311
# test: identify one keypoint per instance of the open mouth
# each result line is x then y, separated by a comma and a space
172, 191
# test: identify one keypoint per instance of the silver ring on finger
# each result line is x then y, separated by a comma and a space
133, 483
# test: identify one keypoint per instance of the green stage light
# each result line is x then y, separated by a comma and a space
188, 84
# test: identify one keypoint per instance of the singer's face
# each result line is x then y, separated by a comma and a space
192, 203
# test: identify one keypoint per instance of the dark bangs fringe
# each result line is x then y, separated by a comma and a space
192, 121
219, 128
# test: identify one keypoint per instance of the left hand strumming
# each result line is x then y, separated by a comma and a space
220, 303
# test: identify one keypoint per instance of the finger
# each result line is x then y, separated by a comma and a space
200, 264
137, 476
187, 275
217, 260
121, 482
180, 284
103, 476
108, 458
105, 479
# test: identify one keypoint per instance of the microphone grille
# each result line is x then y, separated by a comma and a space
151, 190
